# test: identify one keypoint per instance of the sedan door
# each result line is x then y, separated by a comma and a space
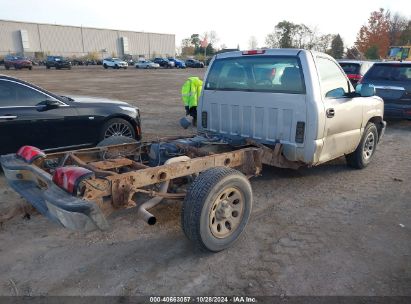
25, 119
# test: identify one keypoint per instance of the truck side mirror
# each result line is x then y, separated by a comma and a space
365, 90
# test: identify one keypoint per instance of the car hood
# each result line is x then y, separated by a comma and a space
98, 100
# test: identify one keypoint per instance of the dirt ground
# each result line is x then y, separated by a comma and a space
328, 230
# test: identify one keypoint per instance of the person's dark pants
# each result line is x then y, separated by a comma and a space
193, 113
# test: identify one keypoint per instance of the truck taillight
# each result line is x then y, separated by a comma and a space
299, 132
354, 76
204, 119
254, 52
70, 177
29, 154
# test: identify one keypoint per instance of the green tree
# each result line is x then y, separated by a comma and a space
283, 35
372, 52
195, 40
337, 47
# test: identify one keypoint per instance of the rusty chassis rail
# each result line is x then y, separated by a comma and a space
123, 179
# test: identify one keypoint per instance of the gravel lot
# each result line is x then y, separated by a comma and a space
328, 230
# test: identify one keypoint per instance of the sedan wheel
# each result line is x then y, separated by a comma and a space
118, 127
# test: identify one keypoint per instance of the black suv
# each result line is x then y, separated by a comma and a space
30, 115
57, 62
392, 82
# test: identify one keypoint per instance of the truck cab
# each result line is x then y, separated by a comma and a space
301, 100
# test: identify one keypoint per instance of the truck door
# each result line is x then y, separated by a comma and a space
255, 96
343, 121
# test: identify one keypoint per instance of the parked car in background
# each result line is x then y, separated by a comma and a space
392, 81
57, 62
30, 115
355, 69
179, 64
193, 63
115, 63
164, 62
400, 53
17, 62
77, 62
146, 64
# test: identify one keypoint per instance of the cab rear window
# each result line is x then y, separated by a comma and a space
273, 74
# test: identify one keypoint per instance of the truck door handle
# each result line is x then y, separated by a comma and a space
330, 113
8, 117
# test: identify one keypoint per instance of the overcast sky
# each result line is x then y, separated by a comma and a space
234, 21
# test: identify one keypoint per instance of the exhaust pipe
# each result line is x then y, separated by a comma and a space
142, 209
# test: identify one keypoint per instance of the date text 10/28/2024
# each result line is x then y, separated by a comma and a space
203, 299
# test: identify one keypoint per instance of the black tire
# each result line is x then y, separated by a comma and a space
116, 140
30, 68
200, 203
47, 67
115, 121
7, 67
105, 66
363, 155
116, 67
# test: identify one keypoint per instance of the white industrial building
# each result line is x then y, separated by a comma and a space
38, 39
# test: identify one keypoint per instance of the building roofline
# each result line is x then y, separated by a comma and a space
84, 27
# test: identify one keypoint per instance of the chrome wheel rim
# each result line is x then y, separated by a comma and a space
118, 129
226, 213
369, 146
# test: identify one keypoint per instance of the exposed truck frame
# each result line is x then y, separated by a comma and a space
122, 179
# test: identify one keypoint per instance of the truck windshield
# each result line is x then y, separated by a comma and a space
275, 74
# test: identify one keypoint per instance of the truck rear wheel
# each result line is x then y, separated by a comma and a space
217, 208
364, 153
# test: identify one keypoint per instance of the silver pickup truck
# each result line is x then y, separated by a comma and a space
299, 99
285, 108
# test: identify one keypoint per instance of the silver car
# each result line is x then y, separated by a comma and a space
146, 64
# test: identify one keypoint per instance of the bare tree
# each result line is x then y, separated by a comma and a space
397, 26
252, 43
212, 37
272, 40
323, 43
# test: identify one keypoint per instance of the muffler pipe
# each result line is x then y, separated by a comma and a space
142, 209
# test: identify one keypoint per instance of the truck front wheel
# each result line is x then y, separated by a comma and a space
217, 208
362, 156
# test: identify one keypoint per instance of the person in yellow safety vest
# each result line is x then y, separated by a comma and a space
190, 94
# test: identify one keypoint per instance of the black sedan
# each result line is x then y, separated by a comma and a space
193, 63
392, 81
30, 115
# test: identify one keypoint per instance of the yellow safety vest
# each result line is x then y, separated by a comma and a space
190, 91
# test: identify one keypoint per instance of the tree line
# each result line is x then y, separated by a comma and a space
382, 30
